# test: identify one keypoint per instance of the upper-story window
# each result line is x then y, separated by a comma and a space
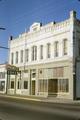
21, 59
56, 47
16, 56
26, 55
48, 50
12, 58
65, 47
2, 75
34, 53
41, 51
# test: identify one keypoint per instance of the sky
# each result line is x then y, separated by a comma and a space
18, 15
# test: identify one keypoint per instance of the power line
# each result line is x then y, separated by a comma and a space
1, 28
4, 47
35, 13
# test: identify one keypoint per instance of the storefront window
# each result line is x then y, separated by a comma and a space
63, 85
42, 85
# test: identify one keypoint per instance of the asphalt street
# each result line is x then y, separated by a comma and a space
17, 109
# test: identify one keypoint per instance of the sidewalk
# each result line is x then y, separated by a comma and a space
61, 100
42, 99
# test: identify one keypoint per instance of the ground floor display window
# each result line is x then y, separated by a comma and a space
63, 85
2, 85
42, 84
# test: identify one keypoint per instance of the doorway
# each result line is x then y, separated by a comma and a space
53, 86
33, 87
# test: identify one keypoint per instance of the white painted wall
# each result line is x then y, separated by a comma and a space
49, 34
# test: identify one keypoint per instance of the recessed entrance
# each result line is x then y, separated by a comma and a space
52, 86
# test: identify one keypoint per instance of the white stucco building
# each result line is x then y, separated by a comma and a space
48, 57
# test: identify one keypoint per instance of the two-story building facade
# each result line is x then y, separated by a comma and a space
48, 58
